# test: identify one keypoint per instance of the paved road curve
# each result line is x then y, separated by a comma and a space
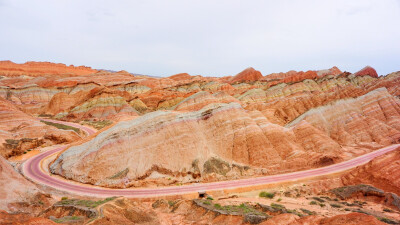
32, 170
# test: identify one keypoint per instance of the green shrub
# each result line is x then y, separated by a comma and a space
217, 206
387, 210
64, 198
210, 198
264, 194
318, 199
386, 220
321, 204
313, 203
336, 205
279, 199
207, 202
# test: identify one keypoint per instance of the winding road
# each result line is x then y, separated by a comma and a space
32, 169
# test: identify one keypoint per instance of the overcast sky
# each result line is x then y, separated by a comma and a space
211, 38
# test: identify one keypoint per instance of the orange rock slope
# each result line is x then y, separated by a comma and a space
21, 132
10, 69
223, 127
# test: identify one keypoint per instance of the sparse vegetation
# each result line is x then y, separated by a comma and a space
264, 194
97, 124
277, 206
61, 126
210, 198
336, 205
85, 203
318, 199
67, 219
313, 203
279, 199
386, 220
307, 211
64, 198
321, 204
387, 210
120, 174
171, 203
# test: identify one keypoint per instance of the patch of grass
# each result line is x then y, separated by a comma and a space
120, 174
264, 194
61, 126
277, 206
321, 204
217, 206
387, 210
386, 220
171, 203
327, 198
318, 199
207, 202
67, 219
64, 198
210, 198
336, 205
279, 199
85, 203
97, 124
307, 211
313, 203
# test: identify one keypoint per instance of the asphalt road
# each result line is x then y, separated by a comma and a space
32, 170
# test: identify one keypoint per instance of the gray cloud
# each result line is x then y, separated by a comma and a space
204, 37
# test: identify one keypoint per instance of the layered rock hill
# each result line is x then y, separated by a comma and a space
21, 132
221, 125
225, 134
8, 68
382, 172
96, 104
17, 193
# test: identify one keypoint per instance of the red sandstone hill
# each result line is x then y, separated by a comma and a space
367, 71
249, 74
10, 69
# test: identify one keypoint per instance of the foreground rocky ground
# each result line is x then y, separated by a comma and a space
221, 128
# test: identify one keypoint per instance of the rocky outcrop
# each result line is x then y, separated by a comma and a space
21, 132
97, 104
249, 74
370, 120
367, 71
382, 172
18, 194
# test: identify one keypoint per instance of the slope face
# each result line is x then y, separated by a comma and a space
219, 136
21, 132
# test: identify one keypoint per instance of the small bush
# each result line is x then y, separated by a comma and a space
64, 198
210, 198
387, 210
207, 202
318, 199
307, 211
336, 205
264, 194
217, 206
386, 220
279, 199
313, 203
321, 204
277, 206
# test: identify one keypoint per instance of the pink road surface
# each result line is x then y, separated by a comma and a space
32, 170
